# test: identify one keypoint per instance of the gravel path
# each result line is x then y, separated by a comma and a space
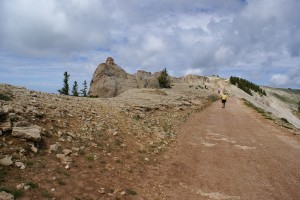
230, 153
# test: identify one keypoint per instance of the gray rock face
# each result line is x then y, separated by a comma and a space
110, 80
30, 133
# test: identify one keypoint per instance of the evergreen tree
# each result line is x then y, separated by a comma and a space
84, 90
164, 79
65, 89
75, 89
246, 86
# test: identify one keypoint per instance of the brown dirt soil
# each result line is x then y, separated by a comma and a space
231, 153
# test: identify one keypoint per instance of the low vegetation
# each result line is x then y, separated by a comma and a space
265, 114
164, 79
283, 98
4, 97
247, 86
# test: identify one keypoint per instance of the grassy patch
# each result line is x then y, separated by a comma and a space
60, 181
32, 185
213, 98
81, 152
61, 171
90, 158
47, 194
2, 174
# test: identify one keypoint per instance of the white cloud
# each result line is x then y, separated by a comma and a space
193, 71
280, 79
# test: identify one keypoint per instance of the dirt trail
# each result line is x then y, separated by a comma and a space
230, 153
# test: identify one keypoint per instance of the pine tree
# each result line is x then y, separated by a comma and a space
65, 89
84, 90
164, 79
75, 89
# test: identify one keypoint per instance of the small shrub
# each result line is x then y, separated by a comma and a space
164, 79
90, 157
130, 191
81, 152
4, 97
60, 182
213, 98
299, 107
32, 185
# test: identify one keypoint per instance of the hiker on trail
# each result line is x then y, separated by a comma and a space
223, 98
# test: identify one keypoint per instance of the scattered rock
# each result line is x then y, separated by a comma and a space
6, 126
33, 148
67, 152
102, 191
20, 186
6, 196
6, 161
54, 148
64, 159
20, 165
30, 133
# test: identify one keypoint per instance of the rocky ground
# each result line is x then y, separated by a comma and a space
63, 147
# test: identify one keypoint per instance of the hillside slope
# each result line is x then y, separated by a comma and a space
65, 147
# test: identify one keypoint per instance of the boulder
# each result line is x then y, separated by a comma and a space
6, 196
110, 80
32, 133
5, 126
6, 161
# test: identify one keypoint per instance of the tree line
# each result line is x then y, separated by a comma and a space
75, 91
247, 86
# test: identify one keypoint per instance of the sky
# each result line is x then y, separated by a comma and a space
258, 40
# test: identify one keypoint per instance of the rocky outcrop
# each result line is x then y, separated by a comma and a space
29, 133
110, 80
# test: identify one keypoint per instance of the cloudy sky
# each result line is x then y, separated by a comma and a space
256, 39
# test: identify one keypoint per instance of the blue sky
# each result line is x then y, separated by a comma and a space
256, 39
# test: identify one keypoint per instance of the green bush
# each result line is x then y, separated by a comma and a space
299, 106
4, 97
164, 79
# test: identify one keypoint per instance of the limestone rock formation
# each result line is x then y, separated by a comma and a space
110, 80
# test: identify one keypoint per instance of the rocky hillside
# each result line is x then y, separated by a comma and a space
65, 147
